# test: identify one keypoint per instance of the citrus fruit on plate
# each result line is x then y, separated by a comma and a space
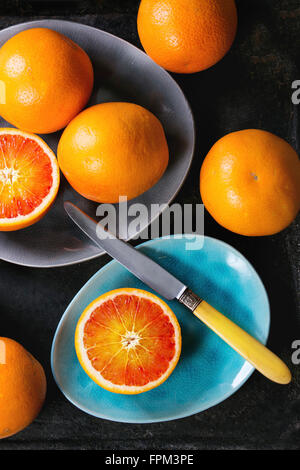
45, 80
130, 75
209, 371
29, 179
187, 36
113, 149
128, 341
250, 182
23, 387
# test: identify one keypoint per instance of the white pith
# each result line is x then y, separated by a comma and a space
130, 340
134, 338
9, 173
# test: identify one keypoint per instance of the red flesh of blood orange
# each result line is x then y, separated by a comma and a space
128, 341
29, 179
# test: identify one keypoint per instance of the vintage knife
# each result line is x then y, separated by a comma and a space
170, 287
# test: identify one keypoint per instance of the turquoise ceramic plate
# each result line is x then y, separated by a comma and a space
209, 370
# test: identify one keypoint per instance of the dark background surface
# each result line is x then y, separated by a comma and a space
251, 87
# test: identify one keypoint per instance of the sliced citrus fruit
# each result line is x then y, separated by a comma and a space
29, 179
128, 341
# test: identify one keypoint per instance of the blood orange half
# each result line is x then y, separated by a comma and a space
128, 341
29, 179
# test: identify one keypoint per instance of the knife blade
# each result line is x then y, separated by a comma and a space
149, 272
168, 286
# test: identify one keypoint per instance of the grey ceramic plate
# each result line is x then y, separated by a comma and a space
122, 73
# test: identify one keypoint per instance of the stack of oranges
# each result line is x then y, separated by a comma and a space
46, 79
107, 151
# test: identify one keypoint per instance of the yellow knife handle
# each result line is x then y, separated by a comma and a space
250, 348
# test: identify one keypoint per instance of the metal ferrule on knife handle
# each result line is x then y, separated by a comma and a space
190, 300
246, 345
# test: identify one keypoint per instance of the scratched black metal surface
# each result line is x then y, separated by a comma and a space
251, 87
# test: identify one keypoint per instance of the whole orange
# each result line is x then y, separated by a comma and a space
46, 79
22, 385
250, 182
186, 36
111, 150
